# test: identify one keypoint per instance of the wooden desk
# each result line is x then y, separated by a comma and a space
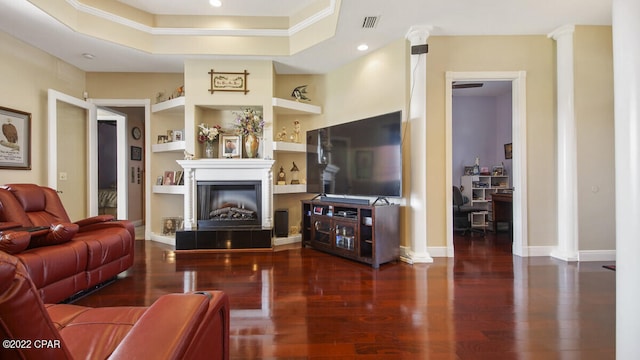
502, 207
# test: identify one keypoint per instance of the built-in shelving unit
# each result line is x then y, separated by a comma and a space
173, 146
290, 147
168, 189
478, 189
285, 152
175, 105
290, 189
286, 107
166, 115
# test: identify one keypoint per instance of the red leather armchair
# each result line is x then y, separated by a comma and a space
176, 326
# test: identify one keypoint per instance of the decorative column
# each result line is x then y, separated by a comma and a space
417, 122
567, 148
189, 221
626, 80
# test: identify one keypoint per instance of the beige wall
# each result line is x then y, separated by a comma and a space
27, 74
536, 56
594, 116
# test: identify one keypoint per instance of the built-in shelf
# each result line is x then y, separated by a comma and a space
175, 104
284, 146
173, 146
168, 189
283, 106
290, 189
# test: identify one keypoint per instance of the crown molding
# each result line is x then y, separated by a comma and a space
314, 18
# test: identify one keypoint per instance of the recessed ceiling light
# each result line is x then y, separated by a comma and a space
363, 47
88, 56
215, 3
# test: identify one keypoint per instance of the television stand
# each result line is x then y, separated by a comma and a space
360, 232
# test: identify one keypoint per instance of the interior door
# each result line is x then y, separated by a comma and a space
106, 114
72, 156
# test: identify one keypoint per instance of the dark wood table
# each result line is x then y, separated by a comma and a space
502, 207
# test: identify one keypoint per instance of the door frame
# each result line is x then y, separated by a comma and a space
146, 104
519, 140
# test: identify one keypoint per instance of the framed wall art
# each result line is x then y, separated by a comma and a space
136, 153
508, 151
15, 139
228, 81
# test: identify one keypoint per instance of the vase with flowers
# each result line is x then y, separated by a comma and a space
208, 135
250, 124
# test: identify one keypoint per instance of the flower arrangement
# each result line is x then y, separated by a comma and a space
249, 122
208, 134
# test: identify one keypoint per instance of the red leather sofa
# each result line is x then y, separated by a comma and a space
61, 257
176, 326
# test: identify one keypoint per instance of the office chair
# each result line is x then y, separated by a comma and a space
461, 212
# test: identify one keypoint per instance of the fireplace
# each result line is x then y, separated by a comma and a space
229, 204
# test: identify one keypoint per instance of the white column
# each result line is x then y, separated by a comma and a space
567, 148
418, 132
626, 78
189, 222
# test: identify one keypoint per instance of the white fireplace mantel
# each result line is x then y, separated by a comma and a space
226, 170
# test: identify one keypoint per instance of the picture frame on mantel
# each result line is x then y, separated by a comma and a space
15, 139
230, 147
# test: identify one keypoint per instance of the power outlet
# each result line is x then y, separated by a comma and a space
63, 176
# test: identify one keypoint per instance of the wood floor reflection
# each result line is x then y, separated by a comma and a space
298, 303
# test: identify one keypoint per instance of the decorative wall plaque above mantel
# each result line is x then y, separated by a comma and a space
228, 81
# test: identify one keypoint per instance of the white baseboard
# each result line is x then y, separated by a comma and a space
291, 239
597, 255
539, 250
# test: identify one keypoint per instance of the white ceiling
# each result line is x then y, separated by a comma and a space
28, 23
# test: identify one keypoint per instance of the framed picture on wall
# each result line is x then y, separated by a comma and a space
15, 139
507, 151
136, 153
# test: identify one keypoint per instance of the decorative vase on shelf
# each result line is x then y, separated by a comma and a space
209, 150
251, 143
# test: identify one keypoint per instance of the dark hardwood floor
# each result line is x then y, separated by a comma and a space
298, 303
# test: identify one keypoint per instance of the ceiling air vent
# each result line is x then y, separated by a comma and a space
370, 22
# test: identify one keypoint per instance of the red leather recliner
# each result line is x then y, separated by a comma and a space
65, 258
176, 326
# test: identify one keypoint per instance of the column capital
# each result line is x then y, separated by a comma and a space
562, 31
419, 34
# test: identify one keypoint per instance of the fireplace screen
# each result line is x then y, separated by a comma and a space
229, 203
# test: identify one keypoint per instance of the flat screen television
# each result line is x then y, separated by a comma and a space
359, 158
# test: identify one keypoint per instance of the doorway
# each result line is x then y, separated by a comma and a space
135, 161
518, 135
